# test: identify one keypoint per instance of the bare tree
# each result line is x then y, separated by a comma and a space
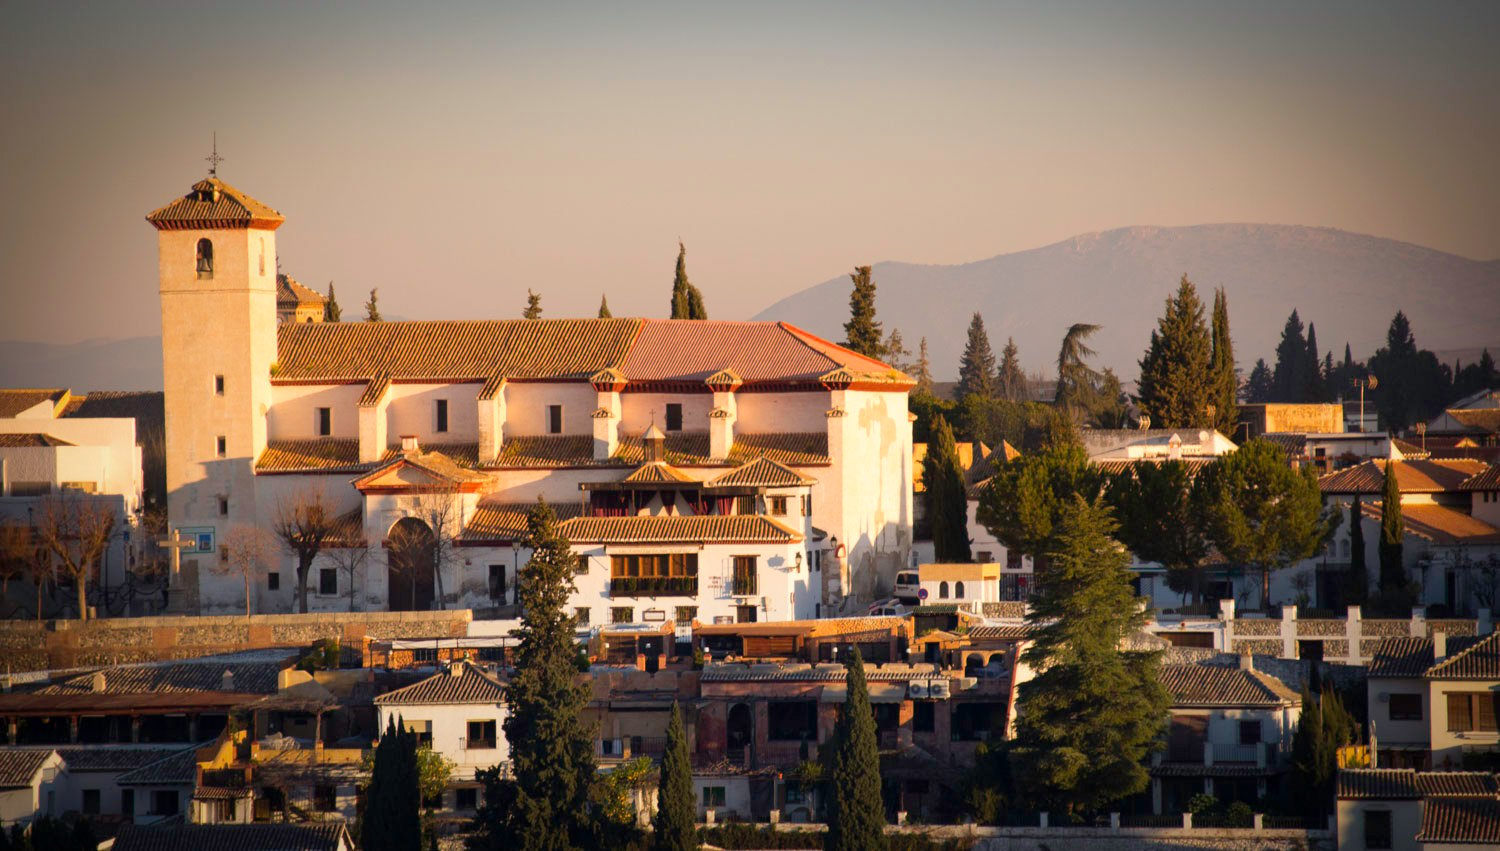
441, 510
303, 523
17, 553
76, 529
250, 551
351, 561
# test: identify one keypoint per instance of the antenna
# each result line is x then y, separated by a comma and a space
214, 159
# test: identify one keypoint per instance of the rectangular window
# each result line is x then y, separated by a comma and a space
127, 804
1249, 732
582, 566
744, 576
325, 422
30, 488
273, 581
745, 614
219, 385
91, 802
328, 581
807, 505
713, 796
1471, 712
1406, 707
1378, 829
423, 729
674, 416
79, 487
654, 575
778, 506
622, 614
325, 798
554, 419
581, 615
744, 505
497, 583
164, 802
440, 423
223, 506
481, 735
427, 655
221, 446
686, 614
466, 799
923, 716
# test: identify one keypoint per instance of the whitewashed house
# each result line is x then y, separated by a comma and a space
460, 713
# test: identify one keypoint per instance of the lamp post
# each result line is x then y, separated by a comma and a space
1367, 383
515, 569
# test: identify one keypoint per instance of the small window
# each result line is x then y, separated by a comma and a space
223, 553
581, 566
481, 735
674, 416
622, 614
423, 730
1406, 707
686, 614
942, 590
1378, 829
91, 802
807, 505
164, 801
328, 581
923, 716
423, 655
713, 796
325, 798
441, 416
958, 590
325, 422
466, 799
1249, 732
221, 446
581, 615
273, 581
554, 419
778, 506
497, 583
205, 259
223, 506
219, 385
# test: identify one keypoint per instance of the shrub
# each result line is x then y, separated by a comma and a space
1202, 804
1240, 815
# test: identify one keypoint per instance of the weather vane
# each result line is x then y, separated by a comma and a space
214, 159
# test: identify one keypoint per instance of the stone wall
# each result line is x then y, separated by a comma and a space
34, 646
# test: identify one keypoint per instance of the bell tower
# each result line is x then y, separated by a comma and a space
217, 274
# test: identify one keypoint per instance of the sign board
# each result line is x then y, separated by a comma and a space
202, 538
715, 585
921, 593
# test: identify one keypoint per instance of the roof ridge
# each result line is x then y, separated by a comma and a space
1437, 667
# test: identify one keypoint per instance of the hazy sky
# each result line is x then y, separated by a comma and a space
454, 155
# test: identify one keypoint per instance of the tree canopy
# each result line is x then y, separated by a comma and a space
687, 300
1157, 510
1226, 382
1029, 496
604, 308
1392, 533
977, 373
1011, 382
331, 311
533, 305
1177, 384
393, 800
1412, 384
946, 500
372, 307
862, 331
675, 826
856, 812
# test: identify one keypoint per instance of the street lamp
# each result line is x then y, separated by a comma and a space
515, 567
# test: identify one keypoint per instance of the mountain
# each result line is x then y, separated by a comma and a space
129, 364
1349, 284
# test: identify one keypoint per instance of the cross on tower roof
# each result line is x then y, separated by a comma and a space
214, 159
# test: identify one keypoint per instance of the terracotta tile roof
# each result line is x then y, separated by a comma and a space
320, 454
173, 678
1003, 632
348, 529
290, 291
1439, 524
795, 449
762, 472
1116, 467
1406, 784
13, 402
1212, 685
1477, 419
375, 390
33, 440
547, 450
656, 473
467, 685
435, 464
507, 521
1218, 769
1408, 658
1410, 451
19, 765
214, 204
756, 352
1487, 479
684, 448
222, 793
1479, 661
1432, 476
179, 768
690, 529
1457, 784
825, 672
831, 627
1294, 444
313, 836
1470, 821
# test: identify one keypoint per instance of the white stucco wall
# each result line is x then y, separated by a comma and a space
450, 730
294, 410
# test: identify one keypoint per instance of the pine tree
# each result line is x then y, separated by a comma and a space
1259, 387
896, 352
372, 307
856, 813
1093, 713
393, 817
1413, 384
862, 332
976, 369
1177, 383
1287, 378
923, 371
533, 305
604, 308
552, 751
1075, 378
1011, 379
1313, 384
1221, 365
1392, 571
332, 312
1160, 520
947, 503
1359, 578
675, 825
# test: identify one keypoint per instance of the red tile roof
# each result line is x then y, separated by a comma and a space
1439, 524
1470, 821
463, 683
1479, 661
19, 766
325, 836
762, 472
13, 402
1487, 479
319, 454
658, 473
1477, 419
1213, 685
494, 521
290, 291
16, 440
212, 203
687, 530
1431, 476
1406, 658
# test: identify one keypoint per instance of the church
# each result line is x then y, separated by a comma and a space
702, 470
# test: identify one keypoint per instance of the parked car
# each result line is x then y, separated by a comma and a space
907, 587
889, 608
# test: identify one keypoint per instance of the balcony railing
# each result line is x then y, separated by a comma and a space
743, 586
467, 744
1263, 754
653, 586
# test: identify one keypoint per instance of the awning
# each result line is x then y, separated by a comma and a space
879, 693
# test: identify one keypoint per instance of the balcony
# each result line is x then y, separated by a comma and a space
467, 744
1198, 752
743, 586
653, 586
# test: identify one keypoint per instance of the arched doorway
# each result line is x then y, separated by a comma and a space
738, 731
410, 565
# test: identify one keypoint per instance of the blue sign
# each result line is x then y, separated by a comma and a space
921, 593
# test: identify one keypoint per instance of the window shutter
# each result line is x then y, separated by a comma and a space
1486, 711
1458, 713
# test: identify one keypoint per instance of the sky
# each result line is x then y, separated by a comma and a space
455, 155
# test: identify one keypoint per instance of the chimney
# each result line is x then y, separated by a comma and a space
1247, 662
97, 683
655, 444
409, 443
1439, 646
456, 669
226, 680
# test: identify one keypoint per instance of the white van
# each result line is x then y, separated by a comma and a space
907, 586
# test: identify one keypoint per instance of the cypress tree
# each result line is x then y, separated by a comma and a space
676, 819
372, 307
1392, 572
923, 370
947, 504
856, 811
1314, 387
393, 816
687, 301
604, 308
533, 305
1310, 759
1287, 379
1177, 383
862, 332
1226, 382
1259, 387
552, 751
976, 370
1011, 380
1359, 578
332, 312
